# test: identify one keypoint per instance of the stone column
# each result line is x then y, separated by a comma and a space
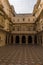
42, 38
37, 40
20, 39
26, 39
9, 39
33, 39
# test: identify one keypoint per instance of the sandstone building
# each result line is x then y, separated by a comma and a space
21, 28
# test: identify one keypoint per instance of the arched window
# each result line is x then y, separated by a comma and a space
29, 39
23, 19
17, 40
23, 39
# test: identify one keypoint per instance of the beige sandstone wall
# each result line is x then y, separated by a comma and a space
2, 38
7, 8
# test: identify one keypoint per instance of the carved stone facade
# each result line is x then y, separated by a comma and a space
21, 28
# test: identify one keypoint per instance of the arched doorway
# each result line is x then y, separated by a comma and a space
41, 39
35, 40
17, 40
6, 40
23, 40
12, 39
29, 39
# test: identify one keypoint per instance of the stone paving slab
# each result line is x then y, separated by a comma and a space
21, 55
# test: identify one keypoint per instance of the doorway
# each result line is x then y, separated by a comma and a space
6, 41
35, 40
12, 39
23, 40
17, 40
29, 39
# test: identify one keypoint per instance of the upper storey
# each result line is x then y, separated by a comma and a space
7, 8
23, 18
38, 7
1, 7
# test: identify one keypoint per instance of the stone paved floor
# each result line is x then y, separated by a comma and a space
21, 55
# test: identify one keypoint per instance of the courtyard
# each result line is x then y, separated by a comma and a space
21, 55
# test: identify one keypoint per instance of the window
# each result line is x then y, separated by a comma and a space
18, 20
13, 20
23, 19
18, 28
33, 19
29, 19
42, 27
13, 29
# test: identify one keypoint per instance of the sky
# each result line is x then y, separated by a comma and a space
23, 6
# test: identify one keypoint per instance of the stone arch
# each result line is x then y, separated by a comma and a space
17, 40
23, 39
11, 39
35, 39
29, 39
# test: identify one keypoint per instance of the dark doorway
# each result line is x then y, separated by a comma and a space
41, 39
35, 40
29, 39
23, 39
6, 39
12, 39
17, 39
